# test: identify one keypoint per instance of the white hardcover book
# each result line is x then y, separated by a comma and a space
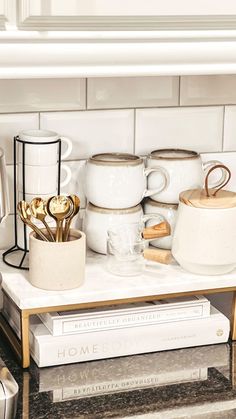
126, 315
48, 350
160, 365
135, 383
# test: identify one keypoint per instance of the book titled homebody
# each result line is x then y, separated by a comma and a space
48, 350
128, 315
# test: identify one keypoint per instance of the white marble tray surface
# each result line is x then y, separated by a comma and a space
100, 285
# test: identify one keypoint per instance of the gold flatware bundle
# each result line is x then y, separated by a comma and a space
39, 211
61, 208
24, 212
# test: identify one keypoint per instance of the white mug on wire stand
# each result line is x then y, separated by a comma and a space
42, 154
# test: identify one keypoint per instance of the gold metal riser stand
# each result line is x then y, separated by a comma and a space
22, 348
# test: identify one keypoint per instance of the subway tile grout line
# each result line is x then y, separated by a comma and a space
179, 91
86, 93
134, 131
223, 130
40, 111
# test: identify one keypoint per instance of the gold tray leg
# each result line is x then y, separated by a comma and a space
25, 347
233, 318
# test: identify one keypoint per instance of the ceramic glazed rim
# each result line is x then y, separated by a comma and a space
190, 154
101, 210
77, 234
38, 135
153, 203
125, 159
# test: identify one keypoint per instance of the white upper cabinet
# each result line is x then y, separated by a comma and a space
83, 38
126, 14
7, 12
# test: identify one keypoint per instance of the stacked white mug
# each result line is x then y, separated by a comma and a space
38, 169
115, 184
179, 170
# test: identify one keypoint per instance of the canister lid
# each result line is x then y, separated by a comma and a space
217, 198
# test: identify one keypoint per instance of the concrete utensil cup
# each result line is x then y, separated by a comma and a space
57, 265
179, 170
205, 234
118, 180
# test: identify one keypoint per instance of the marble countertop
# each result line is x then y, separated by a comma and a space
100, 285
186, 383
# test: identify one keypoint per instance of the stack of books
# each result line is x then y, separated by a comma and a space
120, 330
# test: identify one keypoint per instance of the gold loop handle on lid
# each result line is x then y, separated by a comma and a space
224, 183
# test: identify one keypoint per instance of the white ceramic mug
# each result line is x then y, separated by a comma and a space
204, 239
41, 180
169, 212
42, 154
180, 170
116, 180
97, 221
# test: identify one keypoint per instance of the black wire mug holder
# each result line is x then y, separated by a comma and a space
16, 248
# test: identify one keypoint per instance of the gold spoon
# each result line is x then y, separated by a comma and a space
38, 210
75, 209
25, 215
59, 207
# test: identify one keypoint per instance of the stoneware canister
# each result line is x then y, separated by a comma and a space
179, 170
204, 239
117, 180
169, 213
57, 265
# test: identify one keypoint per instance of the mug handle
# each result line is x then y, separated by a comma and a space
165, 176
148, 217
209, 165
68, 175
69, 147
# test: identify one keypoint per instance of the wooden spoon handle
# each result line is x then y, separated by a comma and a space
158, 255
159, 230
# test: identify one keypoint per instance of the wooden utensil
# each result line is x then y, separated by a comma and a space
158, 230
25, 215
59, 207
38, 210
158, 255
75, 209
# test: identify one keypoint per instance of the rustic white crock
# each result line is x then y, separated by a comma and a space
57, 266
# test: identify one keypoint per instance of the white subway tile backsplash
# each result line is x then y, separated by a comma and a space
42, 94
229, 160
93, 131
11, 125
230, 128
198, 128
127, 92
208, 90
